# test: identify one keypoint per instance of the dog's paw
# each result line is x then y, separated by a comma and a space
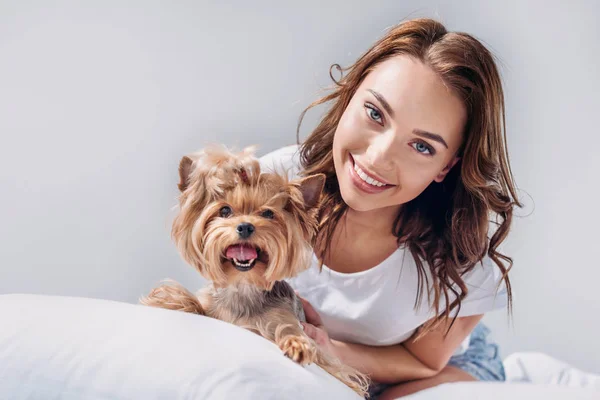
299, 349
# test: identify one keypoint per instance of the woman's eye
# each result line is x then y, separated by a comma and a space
267, 214
374, 114
423, 148
225, 211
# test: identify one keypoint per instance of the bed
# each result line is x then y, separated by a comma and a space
55, 347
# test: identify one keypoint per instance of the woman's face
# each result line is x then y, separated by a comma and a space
400, 132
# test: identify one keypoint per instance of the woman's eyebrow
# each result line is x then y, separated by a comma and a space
419, 132
432, 136
383, 102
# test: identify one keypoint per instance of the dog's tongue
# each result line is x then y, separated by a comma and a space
241, 252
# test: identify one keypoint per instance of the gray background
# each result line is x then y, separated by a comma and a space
100, 99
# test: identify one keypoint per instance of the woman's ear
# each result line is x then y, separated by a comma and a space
446, 169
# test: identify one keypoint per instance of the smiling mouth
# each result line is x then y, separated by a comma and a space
365, 176
364, 181
243, 256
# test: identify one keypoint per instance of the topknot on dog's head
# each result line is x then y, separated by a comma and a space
216, 169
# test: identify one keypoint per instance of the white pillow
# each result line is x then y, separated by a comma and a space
86, 349
78, 348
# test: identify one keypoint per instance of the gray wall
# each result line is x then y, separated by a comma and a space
98, 102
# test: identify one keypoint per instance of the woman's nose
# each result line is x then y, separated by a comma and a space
379, 153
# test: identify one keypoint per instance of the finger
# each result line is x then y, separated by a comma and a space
310, 330
311, 314
317, 334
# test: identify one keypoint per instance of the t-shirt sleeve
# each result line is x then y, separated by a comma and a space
486, 290
285, 160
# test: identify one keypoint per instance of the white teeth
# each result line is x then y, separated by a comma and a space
240, 264
367, 178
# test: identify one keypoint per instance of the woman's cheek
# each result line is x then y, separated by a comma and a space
417, 179
353, 124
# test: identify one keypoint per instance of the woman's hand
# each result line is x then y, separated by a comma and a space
313, 327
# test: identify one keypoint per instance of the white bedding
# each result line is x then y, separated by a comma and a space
77, 348
503, 391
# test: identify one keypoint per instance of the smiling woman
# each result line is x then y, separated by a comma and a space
413, 150
386, 132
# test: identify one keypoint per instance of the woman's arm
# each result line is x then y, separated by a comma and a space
434, 349
409, 360
388, 364
397, 363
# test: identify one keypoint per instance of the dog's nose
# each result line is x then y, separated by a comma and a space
245, 230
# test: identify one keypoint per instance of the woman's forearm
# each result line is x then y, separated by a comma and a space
388, 364
410, 360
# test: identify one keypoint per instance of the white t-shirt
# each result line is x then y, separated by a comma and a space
377, 307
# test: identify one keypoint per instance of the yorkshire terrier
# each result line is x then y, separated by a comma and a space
246, 231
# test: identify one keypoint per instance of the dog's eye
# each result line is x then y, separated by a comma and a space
267, 214
225, 211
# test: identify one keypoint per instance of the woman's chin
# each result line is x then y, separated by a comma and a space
355, 201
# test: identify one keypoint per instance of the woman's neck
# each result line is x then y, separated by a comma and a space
375, 223
360, 230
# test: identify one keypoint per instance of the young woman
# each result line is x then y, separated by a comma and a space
419, 196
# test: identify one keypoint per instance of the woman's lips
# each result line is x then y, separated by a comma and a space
362, 185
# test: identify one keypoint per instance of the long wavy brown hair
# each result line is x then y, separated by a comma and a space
446, 226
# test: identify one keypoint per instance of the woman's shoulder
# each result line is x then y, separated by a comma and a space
485, 271
285, 160
486, 289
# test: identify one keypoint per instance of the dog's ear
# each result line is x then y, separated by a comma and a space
304, 197
185, 169
311, 188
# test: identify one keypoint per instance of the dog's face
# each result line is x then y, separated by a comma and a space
236, 225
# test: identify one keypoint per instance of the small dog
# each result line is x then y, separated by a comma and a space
247, 231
